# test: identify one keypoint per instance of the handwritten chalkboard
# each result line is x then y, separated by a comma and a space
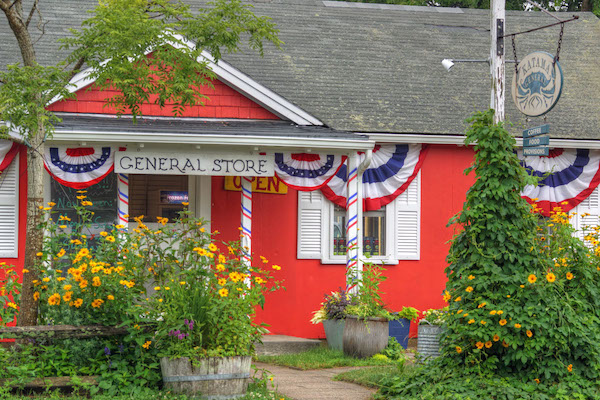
103, 195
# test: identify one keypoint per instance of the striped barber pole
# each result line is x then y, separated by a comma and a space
352, 224
123, 193
247, 221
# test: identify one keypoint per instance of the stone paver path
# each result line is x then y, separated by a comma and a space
315, 384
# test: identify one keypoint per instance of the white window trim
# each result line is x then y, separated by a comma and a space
391, 215
13, 200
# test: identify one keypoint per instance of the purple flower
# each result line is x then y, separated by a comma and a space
121, 348
174, 332
191, 324
107, 351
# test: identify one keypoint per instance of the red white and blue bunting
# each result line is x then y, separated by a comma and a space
573, 174
307, 172
8, 151
79, 167
392, 169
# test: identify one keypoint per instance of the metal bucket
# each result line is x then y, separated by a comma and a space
215, 378
428, 344
334, 331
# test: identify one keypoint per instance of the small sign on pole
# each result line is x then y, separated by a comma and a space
536, 151
536, 141
536, 130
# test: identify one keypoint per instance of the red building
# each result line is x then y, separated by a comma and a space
351, 78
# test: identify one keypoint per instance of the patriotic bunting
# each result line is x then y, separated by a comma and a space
569, 177
392, 169
8, 151
79, 167
307, 172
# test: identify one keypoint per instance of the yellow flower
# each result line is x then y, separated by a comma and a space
570, 368
223, 292
235, 276
185, 203
493, 312
220, 267
39, 254
77, 303
483, 322
264, 260
119, 226
110, 297
471, 277
521, 286
83, 284
66, 288
97, 303
447, 296
458, 349
110, 239
182, 283
11, 305
504, 343
536, 380
500, 312
488, 344
532, 278
569, 276
67, 296
147, 344
496, 338
157, 288
61, 278
469, 289
60, 253
518, 326
96, 281
103, 234
471, 321
87, 203
551, 277
46, 279
201, 252
160, 300
212, 247
502, 322
54, 300
62, 226
36, 296
222, 281
479, 345
482, 305
529, 333
83, 252
458, 299
25, 271
276, 267
51, 204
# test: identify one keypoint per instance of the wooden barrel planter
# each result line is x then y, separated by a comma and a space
214, 378
365, 338
334, 332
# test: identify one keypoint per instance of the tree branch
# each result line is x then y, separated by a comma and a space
33, 8
76, 68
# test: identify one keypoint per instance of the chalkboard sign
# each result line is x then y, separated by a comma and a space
103, 195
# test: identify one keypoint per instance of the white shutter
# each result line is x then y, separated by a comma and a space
591, 206
9, 210
310, 221
408, 222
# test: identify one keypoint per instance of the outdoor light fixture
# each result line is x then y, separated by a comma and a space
448, 63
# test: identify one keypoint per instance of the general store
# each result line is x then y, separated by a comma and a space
360, 84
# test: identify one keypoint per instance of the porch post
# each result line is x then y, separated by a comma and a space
246, 234
123, 195
353, 202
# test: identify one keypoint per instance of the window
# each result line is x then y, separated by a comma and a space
390, 234
9, 210
157, 196
588, 213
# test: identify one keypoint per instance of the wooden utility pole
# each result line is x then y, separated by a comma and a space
497, 30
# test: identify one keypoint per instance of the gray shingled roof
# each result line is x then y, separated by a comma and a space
377, 68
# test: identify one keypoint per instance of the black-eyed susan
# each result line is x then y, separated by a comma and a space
502, 322
496, 338
488, 344
529, 333
550, 277
458, 349
469, 289
223, 292
569, 275
532, 278
479, 345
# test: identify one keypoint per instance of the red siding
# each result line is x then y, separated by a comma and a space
410, 283
222, 102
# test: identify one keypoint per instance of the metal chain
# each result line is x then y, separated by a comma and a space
515, 55
560, 38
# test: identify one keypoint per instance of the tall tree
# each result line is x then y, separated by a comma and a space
115, 43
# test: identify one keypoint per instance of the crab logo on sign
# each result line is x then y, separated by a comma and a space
537, 84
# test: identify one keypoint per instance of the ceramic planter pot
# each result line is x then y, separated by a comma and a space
399, 329
214, 377
334, 331
365, 338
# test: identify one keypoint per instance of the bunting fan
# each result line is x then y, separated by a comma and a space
8, 151
307, 171
392, 169
568, 176
79, 167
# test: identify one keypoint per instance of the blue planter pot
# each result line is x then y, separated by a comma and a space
399, 329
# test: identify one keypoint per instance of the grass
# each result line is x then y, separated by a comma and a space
369, 377
319, 358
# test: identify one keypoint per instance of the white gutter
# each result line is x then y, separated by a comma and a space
76, 135
460, 140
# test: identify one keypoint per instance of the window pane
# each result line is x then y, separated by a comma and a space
373, 230
157, 196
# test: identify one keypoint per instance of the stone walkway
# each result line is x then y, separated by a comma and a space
315, 384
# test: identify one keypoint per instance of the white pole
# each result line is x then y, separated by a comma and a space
123, 196
497, 29
246, 222
352, 223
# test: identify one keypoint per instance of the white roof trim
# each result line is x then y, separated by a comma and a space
460, 140
233, 78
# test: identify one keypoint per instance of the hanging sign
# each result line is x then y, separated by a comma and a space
270, 184
537, 84
536, 131
536, 151
536, 141
218, 164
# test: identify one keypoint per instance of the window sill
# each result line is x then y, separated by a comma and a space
342, 260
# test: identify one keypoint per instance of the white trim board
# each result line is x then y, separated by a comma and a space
233, 78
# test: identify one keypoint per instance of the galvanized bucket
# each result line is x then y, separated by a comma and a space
215, 378
428, 345
334, 332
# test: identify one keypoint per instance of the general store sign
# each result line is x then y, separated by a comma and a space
227, 164
271, 184
537, 84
